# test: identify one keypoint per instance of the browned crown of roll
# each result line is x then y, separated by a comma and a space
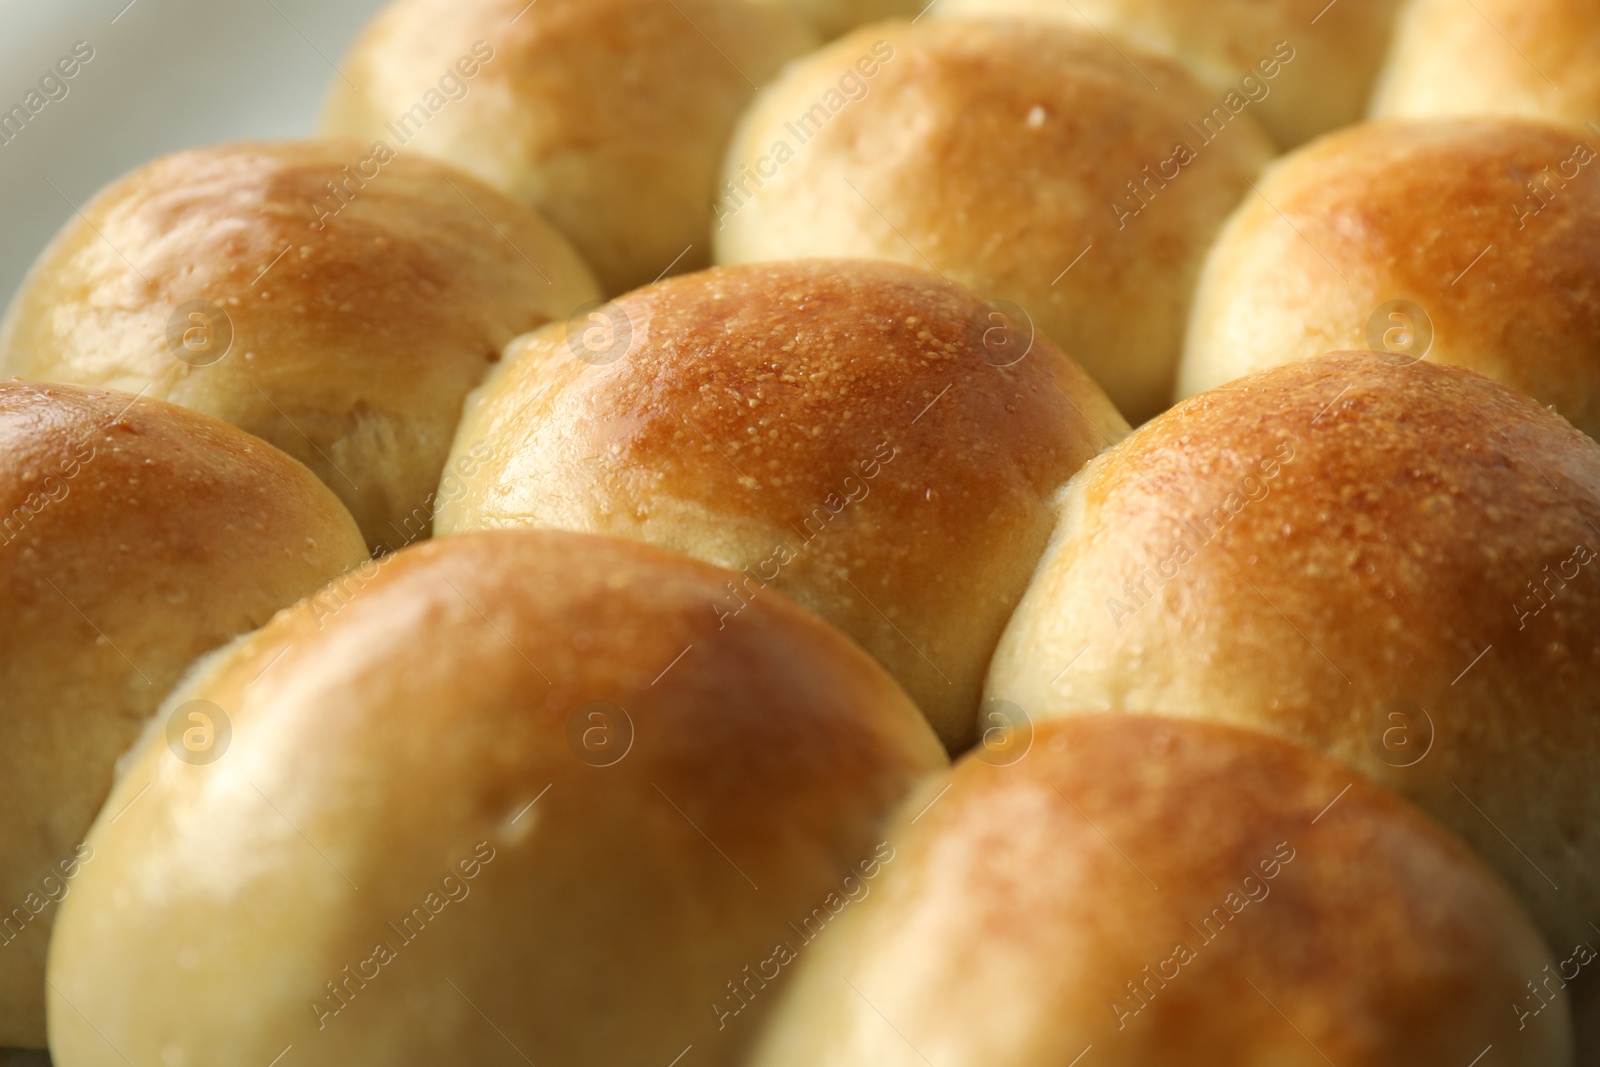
1469, 241
1395, 562
1130, 890
337, 298
875, 442
511, 788
1029, 160
134, 536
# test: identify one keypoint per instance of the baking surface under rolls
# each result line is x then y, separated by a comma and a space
333, 297
1134, 892
1392, 561
134, 536
508, 788
868, 439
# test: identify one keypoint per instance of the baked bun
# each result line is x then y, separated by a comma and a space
516, 789
609, 116
1455, 239
1304, 66
1165, 892
1391, 561
875, 443
1536, 58
134, 536
1023, 159
833, 17
342, 318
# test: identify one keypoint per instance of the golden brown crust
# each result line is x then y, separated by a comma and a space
1538, 59
1005, 155
434, 709
1352, 552
134, 536
829, 427
356, 333
1166, 892
608, 116
1335, 50
1436, 213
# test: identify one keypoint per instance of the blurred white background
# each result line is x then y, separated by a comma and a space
166, 74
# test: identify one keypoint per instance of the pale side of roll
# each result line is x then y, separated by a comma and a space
1534, 58
874, 442
134, 536
1468, 241
333, 297
833, 17
608, 116
1306, 66
1029, 160
1396, 562
507, 796
1130, 891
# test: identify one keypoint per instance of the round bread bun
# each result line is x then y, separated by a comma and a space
231, 280
1393, 561
1535, 58
609, 116
1448, 239
1020, 158
839, 430
1305, 66
134, 536
511, 788
833, 17
1135, 891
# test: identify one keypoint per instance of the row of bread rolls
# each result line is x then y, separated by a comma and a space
735, 416
411, 716
1032, 160
643, 795
1038, 162
1078, 165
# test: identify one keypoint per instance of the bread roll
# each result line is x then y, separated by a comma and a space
1306, 66
609, 116
1136, 891
337, 300
1392, 561
134, 536
1022, 159
516, 790
1535, 58
1456, 239
875, 443
833, 17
